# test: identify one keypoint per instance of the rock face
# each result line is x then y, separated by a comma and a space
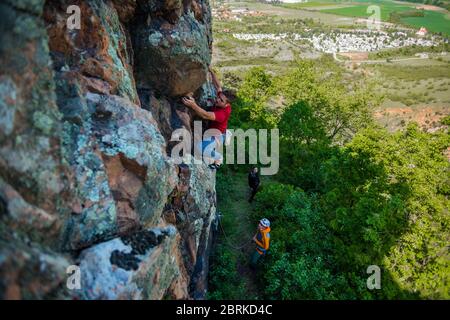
172, 57
86, 178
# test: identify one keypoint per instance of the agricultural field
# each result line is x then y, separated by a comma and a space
413, 80
360, 10
434, 20
311, 4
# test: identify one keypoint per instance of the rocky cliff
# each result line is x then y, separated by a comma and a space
86, 115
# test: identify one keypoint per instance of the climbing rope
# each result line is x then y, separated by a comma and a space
227, 239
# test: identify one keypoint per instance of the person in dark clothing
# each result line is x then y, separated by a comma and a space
253, 182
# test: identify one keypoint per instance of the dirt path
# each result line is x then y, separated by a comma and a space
238, 230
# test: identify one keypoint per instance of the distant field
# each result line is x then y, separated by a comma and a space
309, 4
434, 21
360, 10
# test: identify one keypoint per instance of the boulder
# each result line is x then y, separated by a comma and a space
30, 127
30, 221
172, 59
144, 265
31, 272
122, 175
98, 54
192, 209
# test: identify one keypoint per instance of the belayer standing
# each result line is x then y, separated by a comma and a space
253, 182
262, 240
218, 119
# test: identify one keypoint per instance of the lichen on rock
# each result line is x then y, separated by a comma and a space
85, 173
172, 58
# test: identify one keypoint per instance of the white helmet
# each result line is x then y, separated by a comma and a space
264, 222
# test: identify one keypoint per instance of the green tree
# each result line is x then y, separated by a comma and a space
342, 108
304, 146
250, 109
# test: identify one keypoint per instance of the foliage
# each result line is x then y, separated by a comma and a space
403, 210
250, 108
384, 202
341, 108
225, 282
446, 121
343, 202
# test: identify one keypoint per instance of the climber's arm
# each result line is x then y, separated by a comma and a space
190, 102
264, 243
215, 81
259, 243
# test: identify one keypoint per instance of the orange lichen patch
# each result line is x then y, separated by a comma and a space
26, 78
95, 85
12, 292
88, 48
103, 69
67, 41
170, 217
126, 179
177, 289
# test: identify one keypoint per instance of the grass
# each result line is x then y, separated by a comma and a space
310, 4
251, 61
360, 11
238, 230
412, 85
409, 73
434, 21
409, 51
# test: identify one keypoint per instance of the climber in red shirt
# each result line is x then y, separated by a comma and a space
218, 119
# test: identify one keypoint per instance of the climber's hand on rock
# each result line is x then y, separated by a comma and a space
188, 102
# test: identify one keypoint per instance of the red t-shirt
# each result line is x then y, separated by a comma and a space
222, 116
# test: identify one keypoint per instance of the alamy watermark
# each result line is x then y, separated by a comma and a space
374, 20
74, 279
74, 20
244, 147
374, 280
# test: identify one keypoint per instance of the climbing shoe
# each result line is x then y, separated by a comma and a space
214, 166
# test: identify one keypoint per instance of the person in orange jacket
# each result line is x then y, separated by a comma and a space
262, 240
